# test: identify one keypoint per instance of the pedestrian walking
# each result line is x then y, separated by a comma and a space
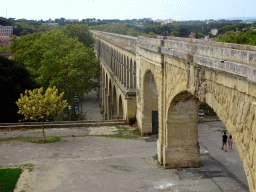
224, 141
230, 141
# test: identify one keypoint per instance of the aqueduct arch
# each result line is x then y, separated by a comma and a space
120, 111
150, 104
222, 75
181, 147
110, 101
114, 103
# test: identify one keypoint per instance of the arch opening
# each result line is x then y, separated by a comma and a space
120, 114
110, 104
192, 141
182, 126
150, 105
114, 104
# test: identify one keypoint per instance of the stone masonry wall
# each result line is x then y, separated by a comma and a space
221, 74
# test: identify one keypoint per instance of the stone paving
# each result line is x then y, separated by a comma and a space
110, 164
90, 105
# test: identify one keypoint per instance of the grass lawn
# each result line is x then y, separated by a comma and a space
38, 140
8, 179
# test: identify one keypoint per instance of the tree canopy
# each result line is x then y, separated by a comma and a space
34, 105
81, 32
248, 37
54, 59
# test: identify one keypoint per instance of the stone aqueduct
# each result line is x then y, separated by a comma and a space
169, 77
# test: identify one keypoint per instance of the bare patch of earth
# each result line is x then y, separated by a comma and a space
78, 131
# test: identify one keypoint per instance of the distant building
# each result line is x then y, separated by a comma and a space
50, 24
6, 54
158, 20
73, 20
6, 29
4, 36
167, 21
163, 22
191, 35
214, 31
207, 38
5, 39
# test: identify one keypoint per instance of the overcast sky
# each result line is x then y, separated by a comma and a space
124, 9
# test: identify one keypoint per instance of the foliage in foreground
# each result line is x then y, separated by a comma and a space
41, 107
8, 179
14, 79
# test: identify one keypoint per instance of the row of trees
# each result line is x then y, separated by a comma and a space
178, 29
58, 57
133, 27
248, 37
133, 30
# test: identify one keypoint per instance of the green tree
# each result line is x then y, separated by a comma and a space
227, 28
23, 28
5, 48
183, 32
44, 28
248, 37
79, 31
41, 107
175, 33
53, 59
14, 80
5, 22
198, 35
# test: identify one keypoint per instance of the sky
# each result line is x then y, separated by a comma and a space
128, 9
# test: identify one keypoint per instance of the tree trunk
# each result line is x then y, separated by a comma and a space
43, 131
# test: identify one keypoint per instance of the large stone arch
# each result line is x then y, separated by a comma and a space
236, 110
120, 108
232, 107
150, 103
174, 66
181, 147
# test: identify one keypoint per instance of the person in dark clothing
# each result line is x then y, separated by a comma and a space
224, 141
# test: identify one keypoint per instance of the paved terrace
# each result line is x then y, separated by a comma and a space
109, 164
